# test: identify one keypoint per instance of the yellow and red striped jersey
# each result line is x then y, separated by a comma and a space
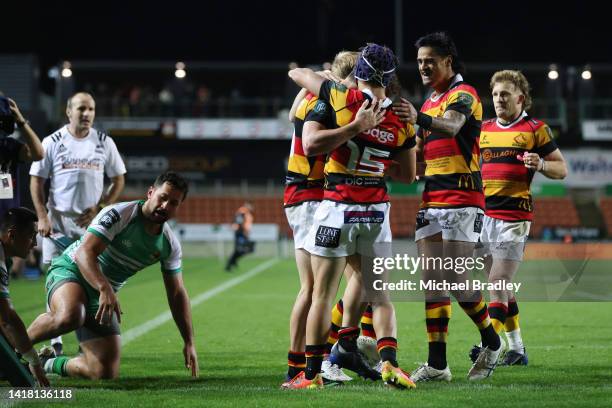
452, 175
505, 178
354, 172
305, 178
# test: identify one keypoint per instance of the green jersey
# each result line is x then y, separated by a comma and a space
129, 247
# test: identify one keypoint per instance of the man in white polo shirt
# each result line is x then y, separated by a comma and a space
77, 157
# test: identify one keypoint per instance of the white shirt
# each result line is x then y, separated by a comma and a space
76, 167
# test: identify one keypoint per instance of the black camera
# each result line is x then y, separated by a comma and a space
7, 120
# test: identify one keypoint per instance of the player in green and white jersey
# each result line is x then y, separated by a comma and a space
123, 239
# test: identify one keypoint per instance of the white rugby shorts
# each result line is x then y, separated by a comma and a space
455, 224
341, 229
300, 220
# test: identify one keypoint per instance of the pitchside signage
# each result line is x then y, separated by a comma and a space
597, 129
586, 168
233, 129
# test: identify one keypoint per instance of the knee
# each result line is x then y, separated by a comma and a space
306, 291
68, 320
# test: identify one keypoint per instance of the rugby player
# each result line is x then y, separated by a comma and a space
17, 238
514, 147
303, 193
82, 283
354, 182
450, 219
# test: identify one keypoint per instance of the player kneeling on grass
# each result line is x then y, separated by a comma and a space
123, 239
17, 238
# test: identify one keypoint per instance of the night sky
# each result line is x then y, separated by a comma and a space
306, 31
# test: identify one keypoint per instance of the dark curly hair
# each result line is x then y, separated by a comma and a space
444, 46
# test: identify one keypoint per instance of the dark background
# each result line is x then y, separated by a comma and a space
575, 32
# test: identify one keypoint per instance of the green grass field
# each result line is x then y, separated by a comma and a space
242, 340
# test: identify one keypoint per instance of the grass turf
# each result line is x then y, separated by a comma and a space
242, 340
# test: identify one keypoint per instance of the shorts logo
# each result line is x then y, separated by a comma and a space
327, 237
110, 218
478, 223
364, 217
420, 220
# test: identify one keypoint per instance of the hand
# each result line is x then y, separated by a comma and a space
39, 374
405, 111
84, 219
44, 226
369, 117
530, 160
191, 359
109, 304
15, 110
327, 74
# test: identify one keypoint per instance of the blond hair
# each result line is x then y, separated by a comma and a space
517, 79
344, 63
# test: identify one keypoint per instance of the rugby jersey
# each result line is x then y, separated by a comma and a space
354, 172
505, 178
452, 176
130, 248
304, 180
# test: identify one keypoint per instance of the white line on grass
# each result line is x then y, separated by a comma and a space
135, 332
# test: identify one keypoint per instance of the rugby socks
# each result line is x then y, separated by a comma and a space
367, 327
336, 323
57, 365
512, 319
387, 348
513, 330
347, 337
296, 362
479, 314
497, 313
314, 360
437, 316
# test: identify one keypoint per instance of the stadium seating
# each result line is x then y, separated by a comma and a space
606, 211
553, 212
548, 212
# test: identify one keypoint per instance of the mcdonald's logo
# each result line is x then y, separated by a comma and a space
525, 205
466, 181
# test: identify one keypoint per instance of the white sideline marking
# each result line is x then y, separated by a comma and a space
135, 332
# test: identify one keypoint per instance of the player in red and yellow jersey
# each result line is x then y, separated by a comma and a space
449, 222
514, 148
354, 214
303, 193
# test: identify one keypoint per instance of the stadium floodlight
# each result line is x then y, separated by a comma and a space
66, 69
553, 72
586, 73
180, 70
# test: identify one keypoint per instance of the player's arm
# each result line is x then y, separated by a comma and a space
449, 124
86, 258
13, 328
37, 191
307, 78
33, 149
178, 300
420, 158
317, 139
552, 165
405, 169
296, 103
